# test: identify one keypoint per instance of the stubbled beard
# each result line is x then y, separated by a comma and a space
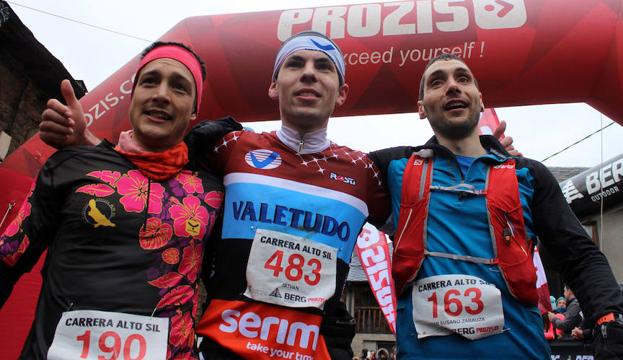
452, 131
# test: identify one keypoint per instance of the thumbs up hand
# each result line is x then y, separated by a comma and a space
64, 124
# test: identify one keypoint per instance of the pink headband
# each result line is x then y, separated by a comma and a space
179, 54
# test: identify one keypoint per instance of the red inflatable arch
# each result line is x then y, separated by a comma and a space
523, 52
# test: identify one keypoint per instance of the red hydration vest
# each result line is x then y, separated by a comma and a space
512, 250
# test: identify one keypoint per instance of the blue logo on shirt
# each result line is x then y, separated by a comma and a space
292, 217
263, 159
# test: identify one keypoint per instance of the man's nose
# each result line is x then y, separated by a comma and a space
309, 72
452, 86
162, 92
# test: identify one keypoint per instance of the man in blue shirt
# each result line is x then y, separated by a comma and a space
468, 216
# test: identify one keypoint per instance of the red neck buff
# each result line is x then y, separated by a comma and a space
162, 165
157, 166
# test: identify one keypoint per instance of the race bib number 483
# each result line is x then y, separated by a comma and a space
97, 335
291, 271
457, 304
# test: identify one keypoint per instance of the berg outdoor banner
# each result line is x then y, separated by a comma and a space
597, 186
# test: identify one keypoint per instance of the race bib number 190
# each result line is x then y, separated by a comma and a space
97, 335
457, 304
289, 270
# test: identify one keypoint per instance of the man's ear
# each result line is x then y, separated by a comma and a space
420, 109
193, 117
272, 91
482, 104
342, 94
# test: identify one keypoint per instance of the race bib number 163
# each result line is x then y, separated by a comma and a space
457, 304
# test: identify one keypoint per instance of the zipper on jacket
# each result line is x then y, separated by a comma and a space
301, 143
404, 228
461, 195
144, 226
509, 234
508, 231
8, 210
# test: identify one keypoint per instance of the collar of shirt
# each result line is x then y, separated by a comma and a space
311, 142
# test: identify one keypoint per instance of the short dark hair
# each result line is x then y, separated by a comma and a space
442, 57
183, 46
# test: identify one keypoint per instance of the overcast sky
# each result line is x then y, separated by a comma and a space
93, 55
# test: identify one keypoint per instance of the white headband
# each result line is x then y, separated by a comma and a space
311, 41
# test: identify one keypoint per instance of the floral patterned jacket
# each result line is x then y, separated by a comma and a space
116, 241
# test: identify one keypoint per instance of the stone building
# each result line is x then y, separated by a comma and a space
372, 331
30, 76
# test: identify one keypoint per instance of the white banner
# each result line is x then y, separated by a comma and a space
375, 260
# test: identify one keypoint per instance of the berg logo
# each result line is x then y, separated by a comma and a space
263, 159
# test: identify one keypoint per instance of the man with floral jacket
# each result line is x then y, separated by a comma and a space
125, 227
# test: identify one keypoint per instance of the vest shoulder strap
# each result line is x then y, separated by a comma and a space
417, 179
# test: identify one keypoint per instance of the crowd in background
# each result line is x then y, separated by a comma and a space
380, 354
566, 321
